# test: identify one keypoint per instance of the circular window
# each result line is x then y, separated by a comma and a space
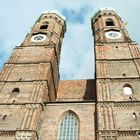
38, 37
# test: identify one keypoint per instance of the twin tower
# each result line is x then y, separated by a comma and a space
35, 105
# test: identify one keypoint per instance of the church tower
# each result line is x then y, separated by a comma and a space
117, 64
30, 78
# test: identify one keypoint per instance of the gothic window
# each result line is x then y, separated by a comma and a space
68, 129
109, 22
127, 89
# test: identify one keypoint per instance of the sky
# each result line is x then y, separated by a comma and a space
77, 55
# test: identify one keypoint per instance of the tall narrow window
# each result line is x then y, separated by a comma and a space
139, 134
68, 129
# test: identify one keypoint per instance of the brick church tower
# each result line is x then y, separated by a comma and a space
117, 79
30, 78
36, 105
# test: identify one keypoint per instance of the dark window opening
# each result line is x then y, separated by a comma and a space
130, 98
13, 101
45, 16
15, 90
139, 134
110, 22
44, 27
134, 115
4, 117
124, 74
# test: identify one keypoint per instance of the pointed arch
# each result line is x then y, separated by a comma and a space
69, 126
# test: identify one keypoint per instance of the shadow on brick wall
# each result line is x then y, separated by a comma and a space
90, 93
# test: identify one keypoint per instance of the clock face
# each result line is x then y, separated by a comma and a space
113, 34
38, 37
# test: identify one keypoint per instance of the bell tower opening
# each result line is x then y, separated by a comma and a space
109, 22
44, 26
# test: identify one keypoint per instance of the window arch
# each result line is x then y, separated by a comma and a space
15, 90
109, 22
139, 134
68, 129
127, 89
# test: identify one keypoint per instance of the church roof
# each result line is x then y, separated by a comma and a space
108, 10
76, 90
55, 12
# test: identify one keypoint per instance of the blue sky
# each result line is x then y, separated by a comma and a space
77, 58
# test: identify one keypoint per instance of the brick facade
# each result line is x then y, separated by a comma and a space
33, 101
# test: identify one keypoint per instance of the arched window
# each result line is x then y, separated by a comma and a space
127, 90
109, 22
15, 92
68, 129
139, 134
45, 25
134, 115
